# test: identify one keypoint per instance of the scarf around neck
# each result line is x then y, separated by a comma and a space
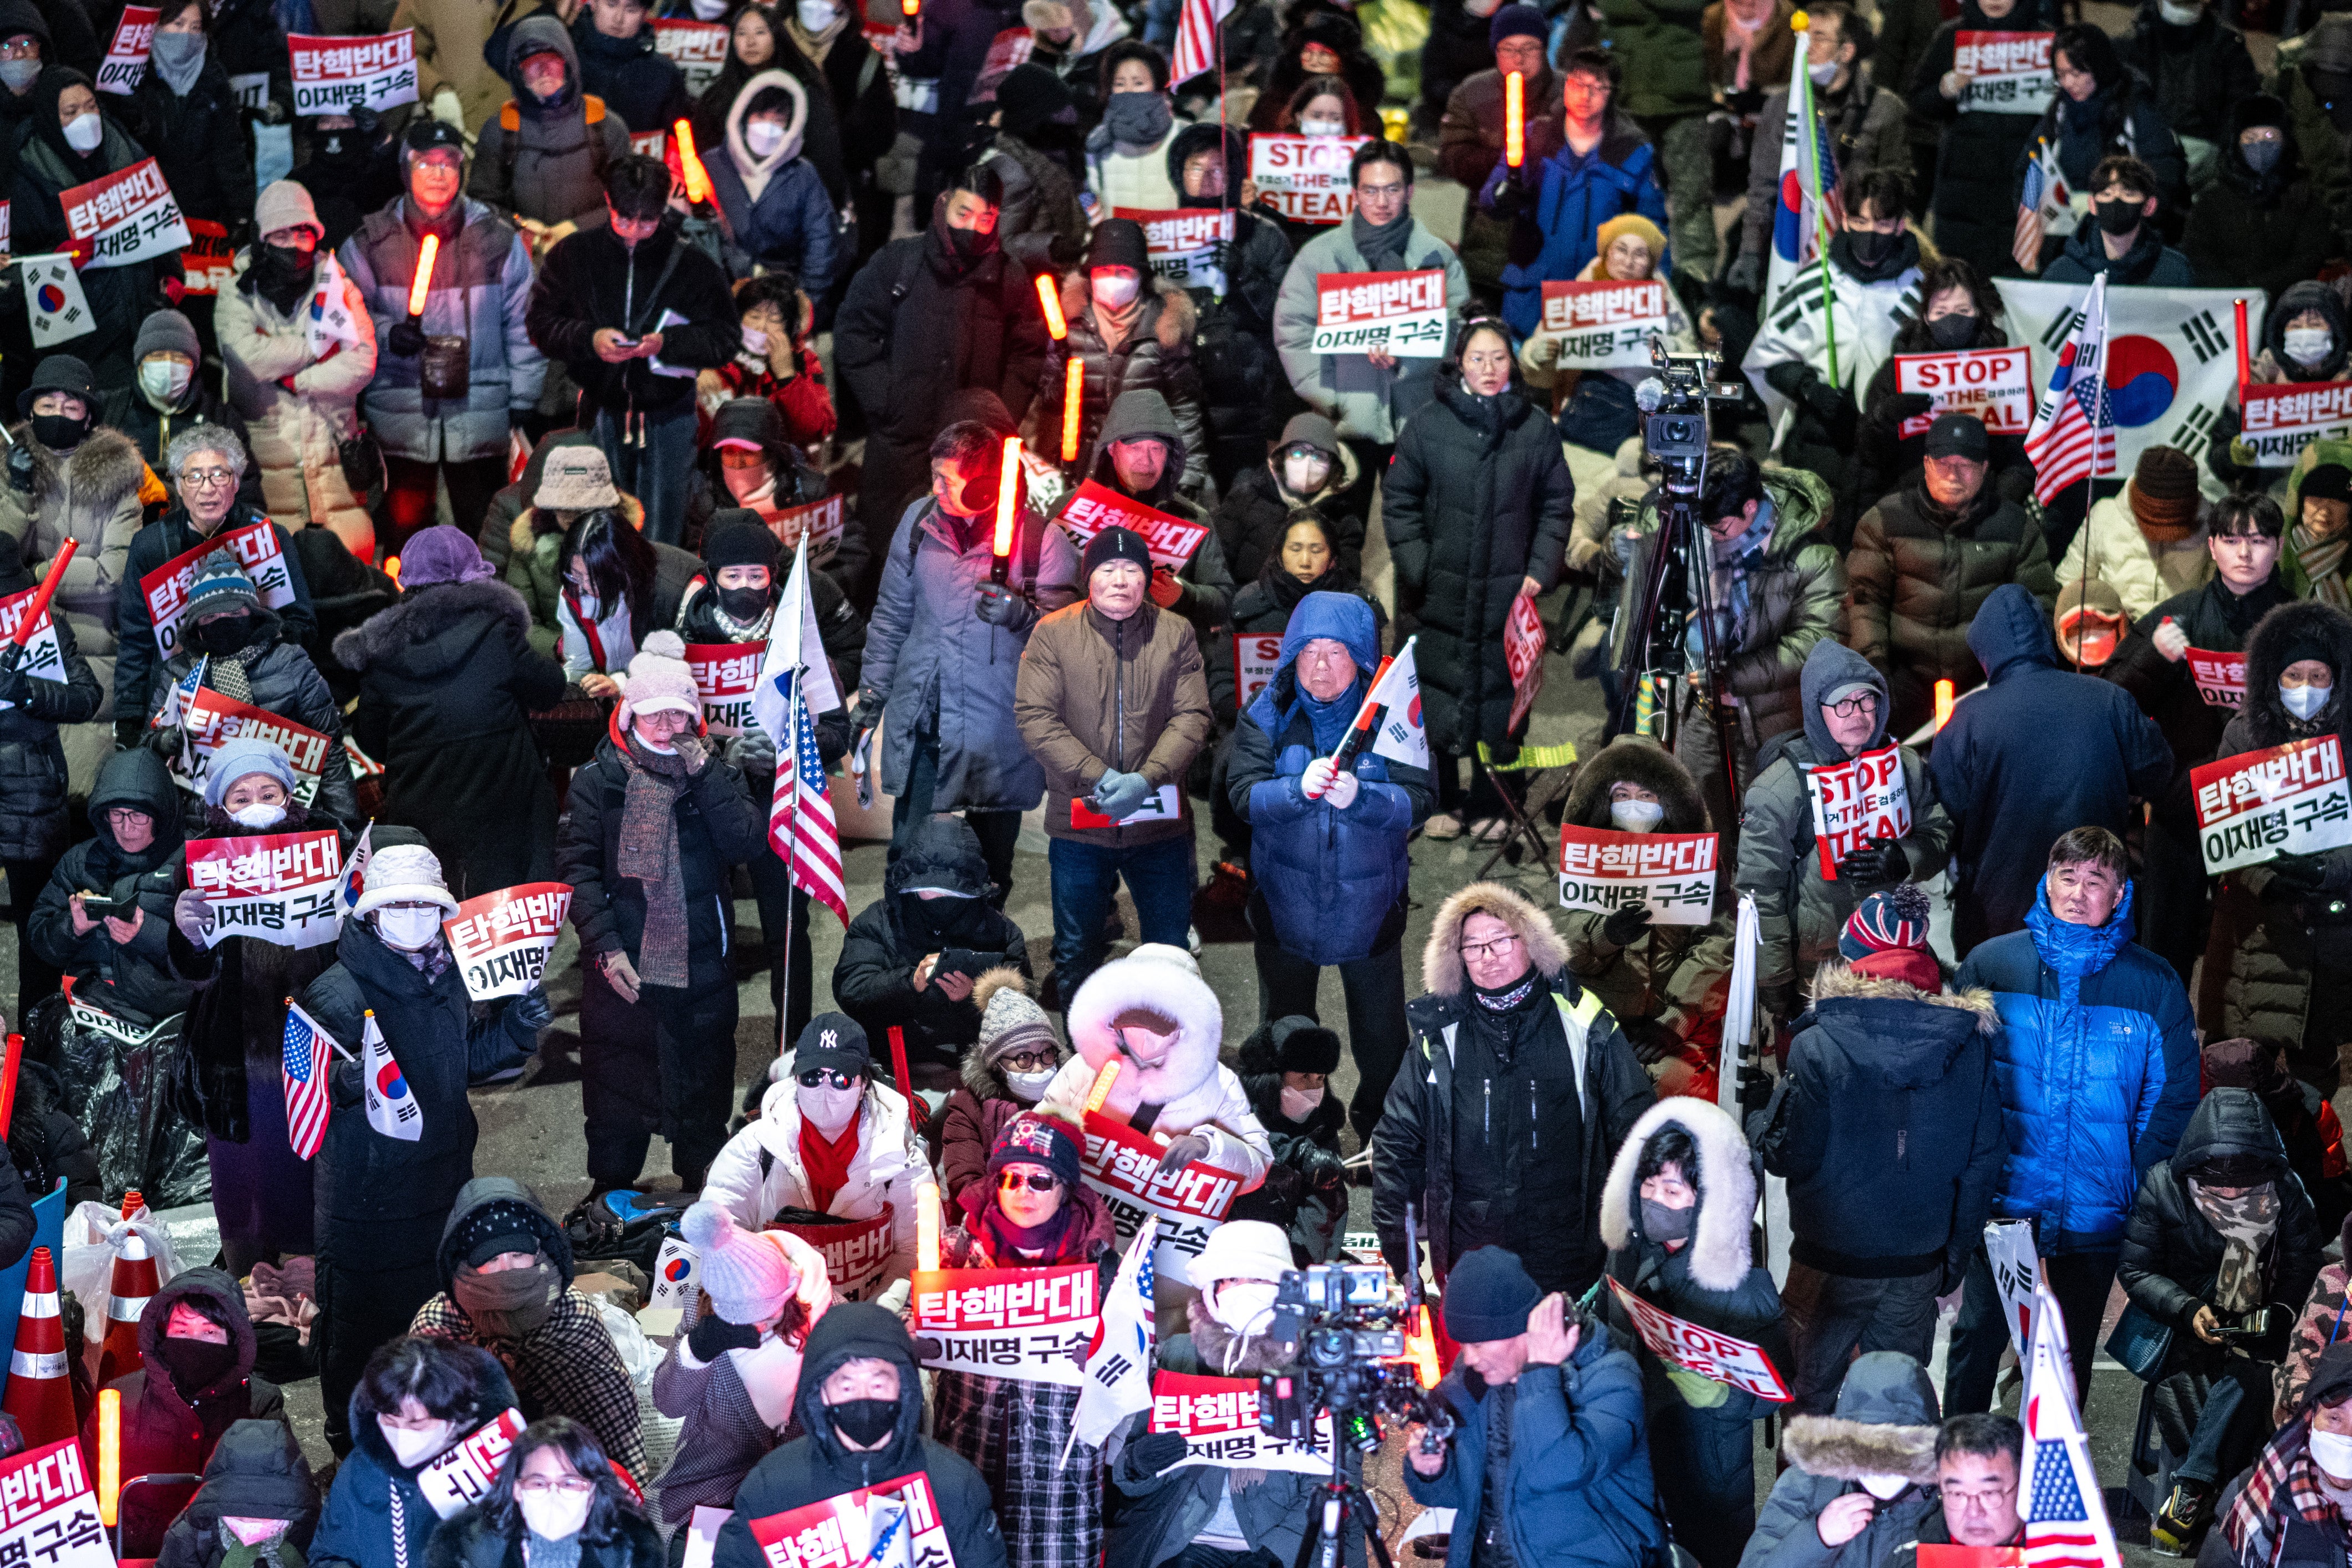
1382, 244
2256, 1528
649, 852
2247, 1223
816, 46
2322, 560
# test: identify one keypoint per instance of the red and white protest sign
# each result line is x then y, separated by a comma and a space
856, 1251
697, 48
209, 263
2006, 73
1217, 1418
279, 887
894, 1523
48, 1511
725, 674
650, 144
1672, 875
126, 216
1123, 1166
2282, 800
1010, 46
210, 720
1524, 641
42, 659
1033, 1325
1185, 244
167, 588
459, 1478
2221, 676
1305, 175
338, 75
1604, 325
126, 54
1400, 313
1717, 1357
1095, 506
1257, 656
2284, 417
1858, 803
1994, 384
502, 940
818, 526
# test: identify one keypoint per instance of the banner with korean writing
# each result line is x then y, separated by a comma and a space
126, 216
210, 720
2016, 1273
1217, 1418
1524, 641
725, 674
856, 1251
459, 1478
1033, 1325
2220, 678
209, 263
1718, 1358
891, 1524
1403, 313
1095, 506
42, 659
2281, 800
167, 588
2006, 73
1604, 326
502, 940
1994, 384
126, 52
1187, 245
1672, 875
338, 75
279, 887
1305, 175
2281, 418
1256, 658
818, 526
1858, 803
697, 48
48, 1512
1123, 1166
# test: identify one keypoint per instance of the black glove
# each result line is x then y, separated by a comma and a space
1155, 1451
1865, 867
2298, 875
16, 686
1781, 1000
712, 1334
171, 741
20, 467
1621, 928
1747, 275
532, 1010
127, 733
1907, 405
407, 339
1755, 1092
1001, 606
343, 1083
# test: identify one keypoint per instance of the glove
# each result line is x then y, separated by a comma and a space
1827, 403
532, 1010
1001, 606
1747, 275
1157, 1451
2298, 874
188, 914
170, 742
1315, 780
1621, 928
16, 686
1781, 1000
712, 1335
20, 468
1340, 793
1909, 406
1504, 196
1166, 592
1187, 1148
1884, 864
407, 339
127, 733
343, 1081
621, 976
1120, 796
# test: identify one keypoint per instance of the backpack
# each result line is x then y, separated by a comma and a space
511, 123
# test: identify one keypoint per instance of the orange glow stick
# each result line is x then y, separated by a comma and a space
109, 1452
1103, 1080
1073, 403
697, 182
1943, 700
1515, 120
1050, 298
421, 284
1008, 498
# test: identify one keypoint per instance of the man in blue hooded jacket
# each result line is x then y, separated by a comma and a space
1327, 844
2097, 1066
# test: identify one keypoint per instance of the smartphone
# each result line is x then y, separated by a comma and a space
98, 906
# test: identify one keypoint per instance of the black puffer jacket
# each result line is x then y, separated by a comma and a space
1241, 377
1205, 583
1156, 356
1476, 499
285, 682
32, 761
2266, 231
470, 1541
1976, 193
2198, 75
200, 142
716, 830
127, 409
47, 1146
137, 975
256, 1471
2214, 619
1250, 517
2274, 365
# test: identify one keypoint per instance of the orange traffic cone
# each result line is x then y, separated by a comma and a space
133, 1282
40, 1394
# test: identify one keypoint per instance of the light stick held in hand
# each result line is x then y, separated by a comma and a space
1008, 509
1515, 120
927, 1227
1050, 298
1074, 403
1102, 1083
421, 284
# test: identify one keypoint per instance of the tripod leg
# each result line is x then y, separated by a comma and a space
1367, 1515
1309, 1538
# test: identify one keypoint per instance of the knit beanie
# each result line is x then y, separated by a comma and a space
221, 586
1517, 22
1311, 431
1488, 1295
1010, 1018
1886, 939
284, 204
660, 680
2327, 481
167, 331
2162, 495
745, 1274
1641, 228
1113, 544
1029, 96
1119, 242
1030, 1139
242, 757
441, 553
501, 1226
738, 538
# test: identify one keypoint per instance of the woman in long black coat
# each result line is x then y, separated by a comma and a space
1478, 509
188, 116
1976, 184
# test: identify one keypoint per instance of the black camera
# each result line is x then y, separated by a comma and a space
1674, 405
1352, 1348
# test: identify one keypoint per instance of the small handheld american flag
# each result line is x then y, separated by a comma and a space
801, 825
2065, 1517
2073, 436
306, 1081
1196, 42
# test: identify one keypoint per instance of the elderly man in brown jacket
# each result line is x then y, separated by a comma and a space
1112, 704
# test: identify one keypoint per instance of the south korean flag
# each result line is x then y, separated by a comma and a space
392, 1108
327, 323
53, 298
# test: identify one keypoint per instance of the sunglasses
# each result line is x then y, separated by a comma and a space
740, 457
815, 1076
1013, 1181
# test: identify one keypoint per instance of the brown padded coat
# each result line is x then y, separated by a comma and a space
1096, 694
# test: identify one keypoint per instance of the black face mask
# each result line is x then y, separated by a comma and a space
971, 243
865, 1422
196, 1364
1869, 248
1952, 331
222, 636
58, 432
277, 261
2118, 218
743, 603
1660, 1223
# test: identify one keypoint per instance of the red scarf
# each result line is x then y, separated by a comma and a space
826, 1161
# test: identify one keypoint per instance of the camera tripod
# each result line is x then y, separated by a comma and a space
1674, 589
1342, 1505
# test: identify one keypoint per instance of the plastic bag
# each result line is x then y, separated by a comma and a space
638, 1354
87, 1268
115, 1078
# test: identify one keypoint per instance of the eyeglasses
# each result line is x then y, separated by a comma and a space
1380, 193
1866, 702
569, 1485
20, 49
1955, 1496
1014, 1181
1495, 949
815, 1076
1030, 1061
205, 479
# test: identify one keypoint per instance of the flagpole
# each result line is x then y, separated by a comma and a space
791, 826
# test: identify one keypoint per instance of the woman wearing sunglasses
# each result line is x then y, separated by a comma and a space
1032, 1212
559, 1503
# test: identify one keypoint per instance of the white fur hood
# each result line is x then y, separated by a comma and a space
1720, 1255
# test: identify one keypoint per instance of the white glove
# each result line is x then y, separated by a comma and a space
1341, 793
446, 109
188, 914
2171, 641
1316, 778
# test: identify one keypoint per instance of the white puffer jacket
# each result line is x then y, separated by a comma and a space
296, 434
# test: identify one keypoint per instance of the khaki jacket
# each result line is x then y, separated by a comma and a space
1097, 694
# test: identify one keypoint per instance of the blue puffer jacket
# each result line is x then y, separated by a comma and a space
2097, 1065
789, 226
1330, 878
357, 1527
1576, 197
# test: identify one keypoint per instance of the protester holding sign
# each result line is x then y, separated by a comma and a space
420, 1397
129, 867
1975, 198
752, 457
2306, 339
185, 109
2104, 113
1860, 1483
559, 1489
1233, 346
40, 693
1138, 482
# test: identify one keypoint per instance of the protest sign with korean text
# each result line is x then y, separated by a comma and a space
1305, 175
891, 1524
459, 1478
1185, 244
2281, 800
126, 52
209, 264
1718, 1358
338, 75
1672, 875
167, 588
1033, 1325
724, 675
2006, 73
210, 720
1524, 641
279, 887
1402, 313
1095, 506
1257, 656
1858, 803
1123, 1166
501, 938
2221, 676
48, 1511
816, 527
2280, 418
699, 49
1994, 384
42, 658
1217, 1418
128, 215
1604, 325
856, 1251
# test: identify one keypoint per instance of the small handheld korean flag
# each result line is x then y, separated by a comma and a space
391, 1107
2066, 1524
354, 879
1402, 738
1119, 1368
329, 324
54, 300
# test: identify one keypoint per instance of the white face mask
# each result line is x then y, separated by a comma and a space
2332, 1452
710, 10
1029, 1088
258, 816
829, 1108
1296, 1103
413, 1448
164, 378
1304, 475
412, 931
764, 137
1244, 1305
1116, 292
814, 15
755, 341
1885, 1489
1823, 74
84, 132
2303, 702
2309, 345
1322, 128
558, 1516
1635, 815
2178, 16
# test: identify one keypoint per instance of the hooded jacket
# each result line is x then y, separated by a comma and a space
132, 675
1885, 1426
783, 219
1205, 584
1155, 355
33, 774
817, 1465
1561, 202
1991, 764
199, 138
638, 82
2248, 230
2274, 367
593, 280
1251, 518
359, 1526
294, 431
137, 974
256, 1471
547, 166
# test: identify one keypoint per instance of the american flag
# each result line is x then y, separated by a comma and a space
306, 1081
1196, 39
801, 826
2074, 432
2065, 1518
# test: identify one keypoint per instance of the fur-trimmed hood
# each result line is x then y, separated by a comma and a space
424, 615
1836, 978
1441, 960
1720, 1255
100, 474
1213, 1342
1637, 760
1145, 979
1885, 1426
1171, 326
2299, 622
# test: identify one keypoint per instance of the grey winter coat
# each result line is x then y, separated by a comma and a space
556, 165
1364, 401
1885, 1426
89, 495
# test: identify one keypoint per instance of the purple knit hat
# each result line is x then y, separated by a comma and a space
442, 554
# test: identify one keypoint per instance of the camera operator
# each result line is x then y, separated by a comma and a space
1571, 1475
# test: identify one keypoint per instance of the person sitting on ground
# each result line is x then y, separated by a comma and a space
1860, 1481
259, 1500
